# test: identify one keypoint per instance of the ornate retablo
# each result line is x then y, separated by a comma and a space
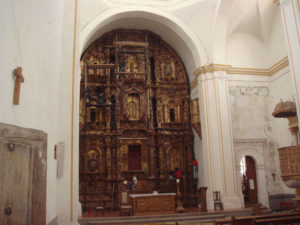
134, 117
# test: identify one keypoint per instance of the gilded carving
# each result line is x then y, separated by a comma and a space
134, 109
195, 115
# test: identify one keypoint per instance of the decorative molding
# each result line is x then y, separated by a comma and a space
194, 83
211, 68
256, 141
250, 90
239, 70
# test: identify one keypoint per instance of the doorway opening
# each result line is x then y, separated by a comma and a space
249, 180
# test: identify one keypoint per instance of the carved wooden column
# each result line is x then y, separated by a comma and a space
217, 144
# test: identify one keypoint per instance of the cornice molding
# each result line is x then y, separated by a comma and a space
194, 83
240, 70
211, 68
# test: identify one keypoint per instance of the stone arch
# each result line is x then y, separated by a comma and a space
260, 174
171, 29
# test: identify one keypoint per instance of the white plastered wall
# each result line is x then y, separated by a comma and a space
253, 99
38, 36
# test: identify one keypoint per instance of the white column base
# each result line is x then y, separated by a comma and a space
263, 199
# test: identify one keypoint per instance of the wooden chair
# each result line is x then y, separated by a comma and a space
125, 208
217, 200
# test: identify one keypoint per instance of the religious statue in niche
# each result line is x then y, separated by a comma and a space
93, 161
168, 68
123, 66
94, 60
130, 64
133, 105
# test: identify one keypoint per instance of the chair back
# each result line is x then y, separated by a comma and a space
124, 198
217, 196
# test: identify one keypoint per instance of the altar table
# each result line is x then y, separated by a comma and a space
153, 204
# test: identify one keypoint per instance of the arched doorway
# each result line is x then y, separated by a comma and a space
134, 104
249, 180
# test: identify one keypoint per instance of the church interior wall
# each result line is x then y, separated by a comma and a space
276, 45
38, 37
246, 50
31, 39
252, 101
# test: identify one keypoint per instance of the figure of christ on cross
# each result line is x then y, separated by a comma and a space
18, 80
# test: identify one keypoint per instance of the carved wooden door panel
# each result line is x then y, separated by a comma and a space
251, 178
16, 182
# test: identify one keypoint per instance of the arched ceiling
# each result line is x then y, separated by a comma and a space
253, 17
235, 17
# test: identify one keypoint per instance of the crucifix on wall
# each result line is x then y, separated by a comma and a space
18, 80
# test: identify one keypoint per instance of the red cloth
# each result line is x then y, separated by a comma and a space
178, 174
195, 163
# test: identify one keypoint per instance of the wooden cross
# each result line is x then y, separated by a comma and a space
18, 80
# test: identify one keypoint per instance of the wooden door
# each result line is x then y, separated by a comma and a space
16, 181
23, 169
134, 158
251, 180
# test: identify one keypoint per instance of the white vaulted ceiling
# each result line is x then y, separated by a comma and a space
253, 17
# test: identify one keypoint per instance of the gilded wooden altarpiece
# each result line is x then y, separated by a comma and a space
134, 117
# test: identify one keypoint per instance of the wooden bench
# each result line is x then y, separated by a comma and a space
275, 221
261, 219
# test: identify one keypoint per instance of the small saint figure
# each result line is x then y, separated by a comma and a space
168, 68
122, 66
18, 80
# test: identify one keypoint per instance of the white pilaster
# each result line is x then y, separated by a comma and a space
263, 196
290, 13
217, 144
